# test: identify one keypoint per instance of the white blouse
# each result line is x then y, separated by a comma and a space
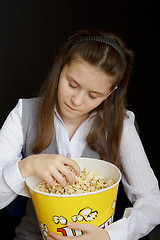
138, 178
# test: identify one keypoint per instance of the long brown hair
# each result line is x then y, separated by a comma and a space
107, 59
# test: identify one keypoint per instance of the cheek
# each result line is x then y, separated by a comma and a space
93, 104
63, 92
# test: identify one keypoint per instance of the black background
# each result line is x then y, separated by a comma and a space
31, 31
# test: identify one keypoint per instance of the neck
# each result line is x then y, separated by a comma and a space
72, 124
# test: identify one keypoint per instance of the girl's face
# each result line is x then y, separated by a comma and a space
82, 87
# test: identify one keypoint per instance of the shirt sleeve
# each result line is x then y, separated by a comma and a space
141, 187
11, 143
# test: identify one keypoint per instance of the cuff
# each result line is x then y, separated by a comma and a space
118, 230
14, 180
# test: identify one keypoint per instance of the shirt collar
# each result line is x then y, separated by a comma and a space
90, 116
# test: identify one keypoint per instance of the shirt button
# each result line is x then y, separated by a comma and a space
68, 155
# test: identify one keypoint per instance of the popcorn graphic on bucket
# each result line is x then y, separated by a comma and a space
97, 208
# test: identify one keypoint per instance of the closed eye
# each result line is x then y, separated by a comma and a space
93, 97
72, 85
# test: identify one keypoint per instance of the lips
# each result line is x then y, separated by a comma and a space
71, 108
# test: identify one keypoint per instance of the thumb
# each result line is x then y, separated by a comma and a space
81, 226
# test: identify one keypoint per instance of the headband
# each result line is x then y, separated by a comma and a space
105, 40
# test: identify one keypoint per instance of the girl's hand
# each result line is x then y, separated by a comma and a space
91, 232
49, 167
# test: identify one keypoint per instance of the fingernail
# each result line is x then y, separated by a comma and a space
69, 224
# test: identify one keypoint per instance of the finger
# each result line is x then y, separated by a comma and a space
56, 236
49, 179
67, 173
50, 238
89, 231
58, 176
81, 226
73, 164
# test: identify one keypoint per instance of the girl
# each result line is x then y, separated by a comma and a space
81, 111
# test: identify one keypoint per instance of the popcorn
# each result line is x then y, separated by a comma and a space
88, 181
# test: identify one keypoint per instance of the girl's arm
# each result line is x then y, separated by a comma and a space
13, 170
11, 142
141, 187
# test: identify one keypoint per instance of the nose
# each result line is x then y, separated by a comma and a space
77, 99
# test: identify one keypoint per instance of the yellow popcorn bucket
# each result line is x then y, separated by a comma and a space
97, 208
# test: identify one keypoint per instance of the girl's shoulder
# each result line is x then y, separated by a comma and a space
30, 102
30, 106
29, 113
130, 122
129, 118
130, 115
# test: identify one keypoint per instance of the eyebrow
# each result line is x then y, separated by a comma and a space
71, 78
